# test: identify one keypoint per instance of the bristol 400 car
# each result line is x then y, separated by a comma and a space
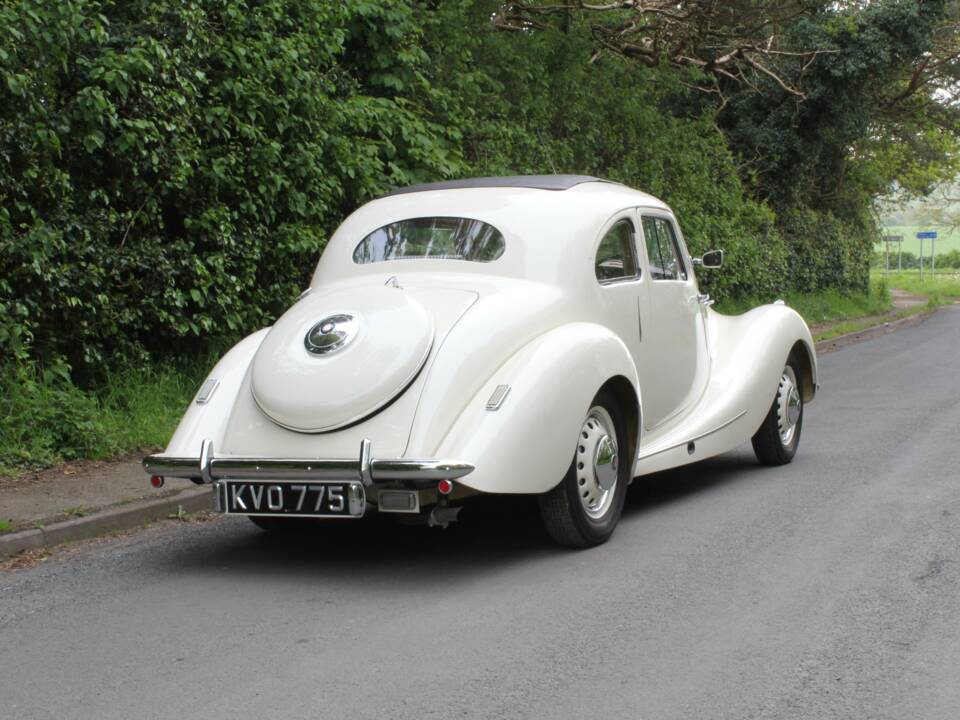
540, 335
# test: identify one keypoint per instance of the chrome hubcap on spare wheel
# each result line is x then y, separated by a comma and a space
789, 405
597, 462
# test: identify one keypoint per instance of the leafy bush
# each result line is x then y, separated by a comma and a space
169, 170
44, 417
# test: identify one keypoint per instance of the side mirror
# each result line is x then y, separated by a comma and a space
712, 259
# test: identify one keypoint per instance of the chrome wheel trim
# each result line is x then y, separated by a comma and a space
789, 406
597, 463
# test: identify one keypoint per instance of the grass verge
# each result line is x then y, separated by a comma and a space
45, 418
946, 283
827, 306
851, 326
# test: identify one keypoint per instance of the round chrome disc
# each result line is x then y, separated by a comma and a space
789, 406
597, 461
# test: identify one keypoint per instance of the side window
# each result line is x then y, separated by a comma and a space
617, 254
662, 249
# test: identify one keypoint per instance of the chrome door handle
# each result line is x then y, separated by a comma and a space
704, 299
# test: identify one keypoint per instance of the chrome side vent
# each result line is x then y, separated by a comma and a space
207, 390
499, 395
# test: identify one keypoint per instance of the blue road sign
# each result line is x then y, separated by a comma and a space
927, 235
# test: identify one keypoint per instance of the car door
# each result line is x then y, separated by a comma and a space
619, 278
672, 362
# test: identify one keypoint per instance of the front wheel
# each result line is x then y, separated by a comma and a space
583, 510
776, 442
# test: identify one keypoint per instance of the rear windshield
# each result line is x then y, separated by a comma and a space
444, 238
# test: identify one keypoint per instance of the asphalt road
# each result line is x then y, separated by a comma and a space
825, 589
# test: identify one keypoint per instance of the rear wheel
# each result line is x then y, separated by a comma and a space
583, 510
776, 442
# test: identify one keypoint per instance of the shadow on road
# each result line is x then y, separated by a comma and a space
492, 533
649, 492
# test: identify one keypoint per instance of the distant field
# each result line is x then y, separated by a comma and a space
946, 241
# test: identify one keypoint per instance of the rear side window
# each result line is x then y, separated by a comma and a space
662, 249
442, 238
617, 254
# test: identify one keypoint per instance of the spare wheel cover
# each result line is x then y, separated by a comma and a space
335, 358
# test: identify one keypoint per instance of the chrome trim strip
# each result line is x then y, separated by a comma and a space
278, 469
206, 458
419, 469
718, 428
172, 466
365, 469
365, 475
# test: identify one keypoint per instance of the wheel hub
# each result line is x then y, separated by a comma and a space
597, 462
789, 405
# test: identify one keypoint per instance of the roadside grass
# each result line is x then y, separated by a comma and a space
827, 306
945, 284
851, 326
6, 525
45, 418
141, 408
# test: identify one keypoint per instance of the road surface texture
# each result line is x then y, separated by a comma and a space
825, 589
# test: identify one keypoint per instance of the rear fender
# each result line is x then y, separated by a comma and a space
208, 421
527, 444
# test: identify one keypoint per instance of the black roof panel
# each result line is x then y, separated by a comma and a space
537, 182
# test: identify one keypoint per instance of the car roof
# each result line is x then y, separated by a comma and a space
545, 229
557, 192
536, 182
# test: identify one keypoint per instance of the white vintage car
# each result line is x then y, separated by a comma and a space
539, 334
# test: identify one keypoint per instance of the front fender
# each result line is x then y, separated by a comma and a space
748, 353
527, 445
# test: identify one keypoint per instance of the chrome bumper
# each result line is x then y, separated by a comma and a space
369, 471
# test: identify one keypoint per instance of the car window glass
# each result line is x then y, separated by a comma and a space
443, 238
662, 249
617, 255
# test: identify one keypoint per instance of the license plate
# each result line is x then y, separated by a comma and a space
306, 499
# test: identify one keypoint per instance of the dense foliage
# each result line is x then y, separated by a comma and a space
170, 169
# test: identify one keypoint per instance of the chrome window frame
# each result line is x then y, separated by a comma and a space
502, 245
684, 274
638, 273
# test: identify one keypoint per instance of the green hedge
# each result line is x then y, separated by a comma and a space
168, 170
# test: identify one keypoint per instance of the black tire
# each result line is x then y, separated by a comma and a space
767, 442
564, 516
